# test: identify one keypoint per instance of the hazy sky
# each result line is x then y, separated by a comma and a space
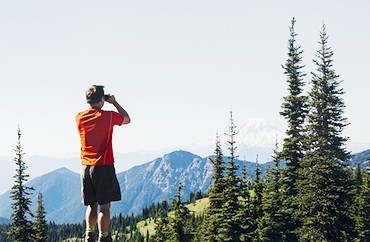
177, 67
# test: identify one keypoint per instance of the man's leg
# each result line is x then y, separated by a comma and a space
91, 218
104, 220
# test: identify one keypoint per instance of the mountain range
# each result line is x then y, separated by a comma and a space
140, 186
255, 137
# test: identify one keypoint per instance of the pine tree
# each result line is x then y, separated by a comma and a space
272, 224
40, 226
182, 229
215, 197
362, 213
357, 179
244, 213
21, 227
256, 202
323, 195
178, 228
162, 230
294, 111
230, 229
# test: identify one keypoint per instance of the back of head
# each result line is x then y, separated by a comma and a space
94, 94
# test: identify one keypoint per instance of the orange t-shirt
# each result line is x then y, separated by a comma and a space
96, 127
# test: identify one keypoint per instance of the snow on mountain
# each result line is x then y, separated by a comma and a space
255, 137
259, 132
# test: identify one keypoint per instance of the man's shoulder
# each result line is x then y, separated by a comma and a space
86, 113
79, 114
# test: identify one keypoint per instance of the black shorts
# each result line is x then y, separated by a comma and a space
99, 184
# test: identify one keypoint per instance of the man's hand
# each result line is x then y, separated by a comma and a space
113, 101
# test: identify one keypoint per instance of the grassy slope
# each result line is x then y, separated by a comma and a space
149, 224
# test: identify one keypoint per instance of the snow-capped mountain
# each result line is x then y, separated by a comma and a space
259, 133
256, 137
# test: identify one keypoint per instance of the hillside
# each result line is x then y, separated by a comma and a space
149, 224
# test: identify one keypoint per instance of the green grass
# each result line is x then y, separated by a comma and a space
146, 225
199, 206
149, 225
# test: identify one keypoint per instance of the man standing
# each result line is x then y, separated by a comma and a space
98, 177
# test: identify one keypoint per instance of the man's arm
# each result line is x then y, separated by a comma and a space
120, 109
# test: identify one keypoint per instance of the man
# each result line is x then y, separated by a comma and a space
98, 178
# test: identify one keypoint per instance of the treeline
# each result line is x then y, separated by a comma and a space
314, 197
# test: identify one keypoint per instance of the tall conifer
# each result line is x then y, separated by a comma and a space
294, 111
216, 199
323, 193
21, 229
229, 229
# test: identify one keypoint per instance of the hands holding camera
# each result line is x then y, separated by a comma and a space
109, 98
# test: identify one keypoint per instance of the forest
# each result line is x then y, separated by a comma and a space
314, 196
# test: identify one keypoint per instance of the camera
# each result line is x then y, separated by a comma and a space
106, 97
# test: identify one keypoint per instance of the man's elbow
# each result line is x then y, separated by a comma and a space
126, 120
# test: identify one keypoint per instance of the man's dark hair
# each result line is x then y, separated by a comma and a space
94, 94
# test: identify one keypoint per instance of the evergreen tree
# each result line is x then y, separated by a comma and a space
271, 226
178, 228
21, 227
323, 192
357, 179
40, 225
182, 230
256, 202
362, 211
244, 213
162, 230
294, 111
229, 229
216, 199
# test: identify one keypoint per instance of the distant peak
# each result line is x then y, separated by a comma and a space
259, 132
180, 153
63, 171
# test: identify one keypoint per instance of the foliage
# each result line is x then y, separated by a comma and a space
323, 193
40, 225
295, 110
21, 226
178, 228
362, 210
216, 199
273, 222
229, 223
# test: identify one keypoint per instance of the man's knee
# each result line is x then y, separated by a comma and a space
93, 207
104, 208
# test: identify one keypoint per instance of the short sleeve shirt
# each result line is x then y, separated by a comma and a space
96, 127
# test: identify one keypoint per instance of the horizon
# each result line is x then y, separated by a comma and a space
36, 172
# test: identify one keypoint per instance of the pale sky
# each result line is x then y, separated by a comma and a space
177, 67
